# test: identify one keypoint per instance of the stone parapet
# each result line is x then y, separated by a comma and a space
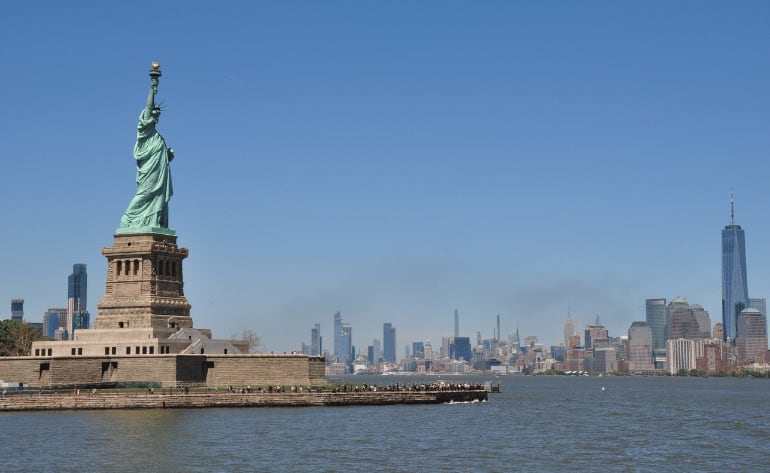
172, 370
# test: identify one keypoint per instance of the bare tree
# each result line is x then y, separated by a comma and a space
251, 338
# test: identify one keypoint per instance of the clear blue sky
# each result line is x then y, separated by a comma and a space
394, 160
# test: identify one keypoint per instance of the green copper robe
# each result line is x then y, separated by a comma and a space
149, 207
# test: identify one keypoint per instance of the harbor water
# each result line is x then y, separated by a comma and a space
543, 423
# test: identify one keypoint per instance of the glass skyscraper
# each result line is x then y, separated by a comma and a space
343, 346
389, 342
51, 322
17, 310
658, 323
735, 292
77, 298
315, 340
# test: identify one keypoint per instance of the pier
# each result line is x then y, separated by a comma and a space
180, 400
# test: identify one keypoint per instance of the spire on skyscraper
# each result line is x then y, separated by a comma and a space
569, 327
735, 296
732, 208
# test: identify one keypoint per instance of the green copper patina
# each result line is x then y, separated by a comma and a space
148, 210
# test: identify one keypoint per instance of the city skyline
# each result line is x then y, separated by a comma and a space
397, 162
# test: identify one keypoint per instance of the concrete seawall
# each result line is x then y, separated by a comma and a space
44, 402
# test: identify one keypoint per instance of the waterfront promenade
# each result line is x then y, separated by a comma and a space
88, 400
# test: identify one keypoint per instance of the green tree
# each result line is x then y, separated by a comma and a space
16, 338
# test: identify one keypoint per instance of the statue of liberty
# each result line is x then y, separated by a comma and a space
148, 210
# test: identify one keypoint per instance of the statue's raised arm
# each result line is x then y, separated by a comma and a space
148, 210
154, 79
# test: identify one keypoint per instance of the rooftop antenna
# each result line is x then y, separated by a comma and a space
732, 208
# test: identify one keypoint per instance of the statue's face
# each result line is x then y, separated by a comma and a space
156, 113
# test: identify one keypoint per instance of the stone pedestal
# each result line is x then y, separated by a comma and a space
145, 284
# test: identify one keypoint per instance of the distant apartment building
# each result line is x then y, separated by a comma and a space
715, 356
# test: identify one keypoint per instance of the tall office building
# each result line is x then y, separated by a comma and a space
514, 340
735, 293
418, 350
17, 310
640, 347
343, 340
698, 324
389, 341
51, 321
446, 342
751, 339
596, 335
315, 340
460, 348
656, 319
427, 350
760, 304
691, 322
676, 312
377, 350
569, 330
77, 298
